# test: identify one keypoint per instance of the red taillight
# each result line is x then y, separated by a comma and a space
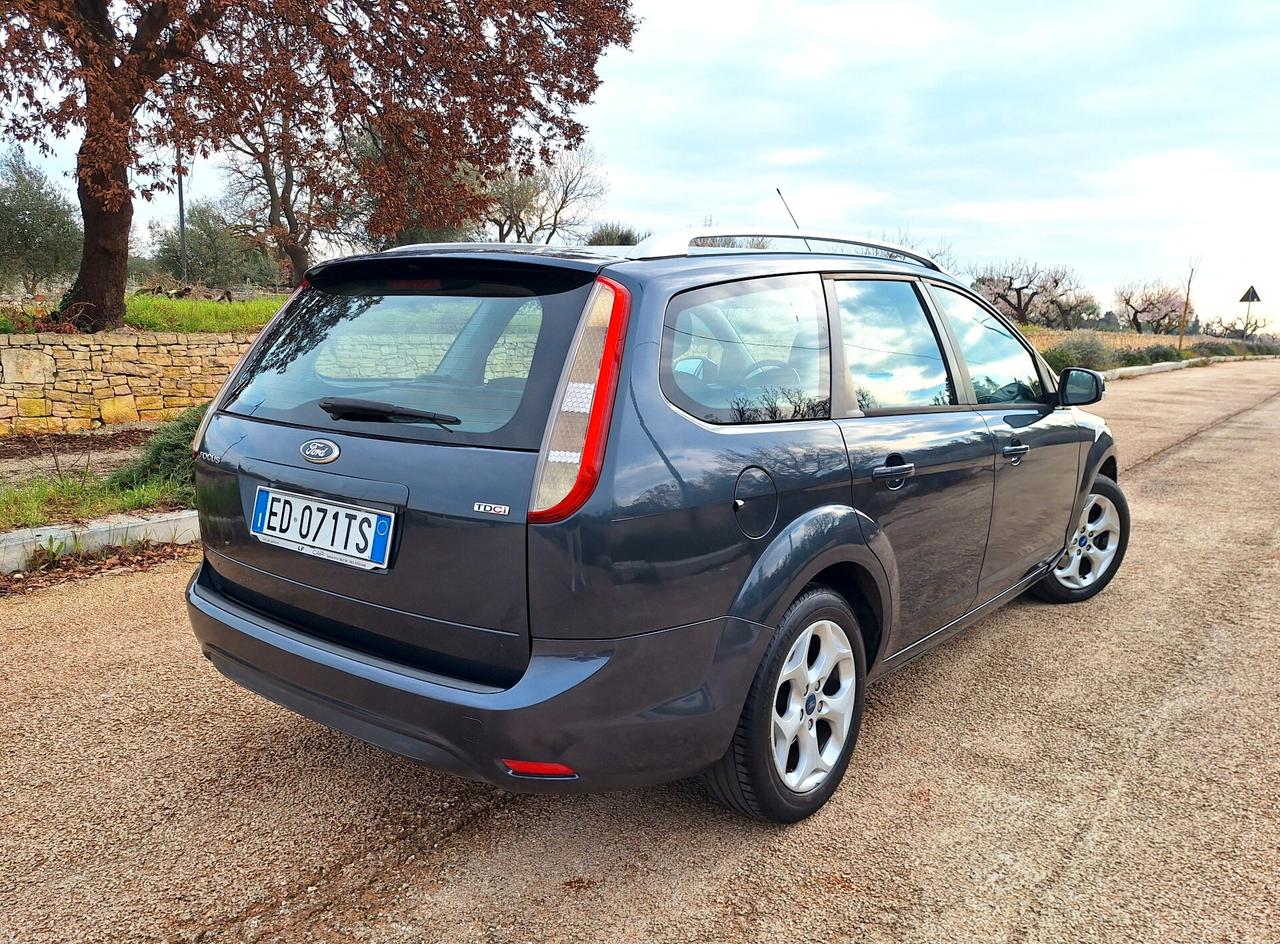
573, 451
537, 768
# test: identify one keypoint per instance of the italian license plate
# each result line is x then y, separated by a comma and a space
347, 534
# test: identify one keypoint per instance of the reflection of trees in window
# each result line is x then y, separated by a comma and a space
989, 390
869, 401
777, 405
299, 330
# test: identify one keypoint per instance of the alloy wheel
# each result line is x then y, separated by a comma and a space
813, 706
1093, 545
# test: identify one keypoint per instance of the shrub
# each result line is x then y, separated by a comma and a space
1218, 349
1084, 349
1132, 356
166, 459
1160, 353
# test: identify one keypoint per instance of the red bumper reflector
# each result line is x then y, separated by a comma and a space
536, 768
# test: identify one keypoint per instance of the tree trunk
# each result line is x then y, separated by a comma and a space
299, 262
95, 301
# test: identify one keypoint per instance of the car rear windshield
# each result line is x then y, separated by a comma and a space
480, 345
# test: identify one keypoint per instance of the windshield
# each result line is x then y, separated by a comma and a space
473, 341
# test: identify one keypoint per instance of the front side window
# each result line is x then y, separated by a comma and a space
749, 352
1000, 368
894, 357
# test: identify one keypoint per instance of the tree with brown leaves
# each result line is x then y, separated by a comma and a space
446, 84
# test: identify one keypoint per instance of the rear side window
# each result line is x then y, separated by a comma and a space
893, 354
756, 351
1000, 368
481, 343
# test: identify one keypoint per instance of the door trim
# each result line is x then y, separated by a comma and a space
925, 643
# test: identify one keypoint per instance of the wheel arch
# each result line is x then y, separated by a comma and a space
828, 546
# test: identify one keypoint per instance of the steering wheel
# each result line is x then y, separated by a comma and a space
760, 367
1010, 393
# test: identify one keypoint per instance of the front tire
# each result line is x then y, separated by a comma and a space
802, 716
1097, 547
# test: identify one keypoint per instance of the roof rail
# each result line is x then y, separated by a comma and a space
665, 245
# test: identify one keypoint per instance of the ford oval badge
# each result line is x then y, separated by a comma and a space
320, 451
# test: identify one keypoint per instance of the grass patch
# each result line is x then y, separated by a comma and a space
154, 313
63, 498
162, 477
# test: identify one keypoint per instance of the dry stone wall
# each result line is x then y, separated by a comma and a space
68, 382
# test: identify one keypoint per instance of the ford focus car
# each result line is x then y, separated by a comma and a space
588, 519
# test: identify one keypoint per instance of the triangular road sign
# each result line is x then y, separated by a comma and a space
1251, 295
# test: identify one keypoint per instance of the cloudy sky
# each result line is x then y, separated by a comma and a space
1118, 137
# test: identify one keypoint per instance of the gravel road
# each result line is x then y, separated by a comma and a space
1103, 772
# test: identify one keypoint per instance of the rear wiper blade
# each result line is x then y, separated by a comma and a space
356, 408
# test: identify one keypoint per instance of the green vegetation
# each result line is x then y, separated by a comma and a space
162, 477
166, 463
157, 313
1082, 350
218, 253
1087, 349
75, 497
40, 236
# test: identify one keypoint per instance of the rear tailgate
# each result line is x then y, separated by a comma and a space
481, 345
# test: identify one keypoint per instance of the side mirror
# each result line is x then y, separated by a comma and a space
1079, 386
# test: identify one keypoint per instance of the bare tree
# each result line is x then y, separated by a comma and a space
1153, 305
1245, 328
1064, 302
1014, 288
940, 252
556, 199
1192, 265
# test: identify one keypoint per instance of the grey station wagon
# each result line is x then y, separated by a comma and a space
585, 519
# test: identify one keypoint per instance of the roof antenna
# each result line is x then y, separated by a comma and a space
807, 247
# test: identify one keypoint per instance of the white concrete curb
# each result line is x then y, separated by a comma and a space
166, 527
1122, 372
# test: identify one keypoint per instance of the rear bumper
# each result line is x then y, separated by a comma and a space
621, 712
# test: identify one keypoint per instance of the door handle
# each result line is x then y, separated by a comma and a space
891, 472
1015, 451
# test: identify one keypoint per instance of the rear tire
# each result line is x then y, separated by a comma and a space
1085, 569
802, 716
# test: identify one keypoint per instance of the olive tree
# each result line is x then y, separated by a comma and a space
40, 235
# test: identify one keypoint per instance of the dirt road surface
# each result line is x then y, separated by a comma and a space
1103, 772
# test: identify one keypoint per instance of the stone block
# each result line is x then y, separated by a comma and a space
166, 414
25, 366
32, 424
119, 409
33, 407
149, 403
